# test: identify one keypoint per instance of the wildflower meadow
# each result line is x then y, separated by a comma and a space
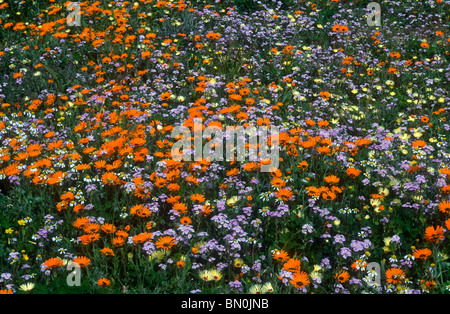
224, 147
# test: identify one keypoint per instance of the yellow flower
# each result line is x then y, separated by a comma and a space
238, 262
206, 275
387, 241
256, 289
375, 202
27, 287
232, 201
405, 136
21, 222
316, 272
215, 274
267, 288
9, 231
158, 255
383, 191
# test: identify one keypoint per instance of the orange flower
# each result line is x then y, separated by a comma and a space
422, 253
107, 251
55, 178
206, 210
108, 228
353, 173
434, 234
444, 207
199, 198
85, 239
53, 262
142, 237
280, 255
185, 221
447, 224
91, 228
324, 150
140, 211
180, 208
343, 29
103, 282
181, 264
250, 166
331, 179
82, 167
292, 265
323, 123
82, 261
445, 171
329, 195
263, 122
336, 28
212, 35
446, 189
395, 275
122, 233
303, 165
392, 71
342, 276
325, 95
100, 164
81, 222
300, 280
165, 243
364, 142
359, 264
394, 54
34, 150
118, 241
285, 194
12, 169
173, 199
278, 182
418, 143
109, 178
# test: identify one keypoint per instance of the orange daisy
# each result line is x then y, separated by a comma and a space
103, 282
342, 276
53, 262
165, 243
82, 261
300, 280
434, 234
280, 255
395, 275
422, 253
444, 207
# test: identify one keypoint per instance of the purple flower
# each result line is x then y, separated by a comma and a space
345, 252
396, 239
339, 238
